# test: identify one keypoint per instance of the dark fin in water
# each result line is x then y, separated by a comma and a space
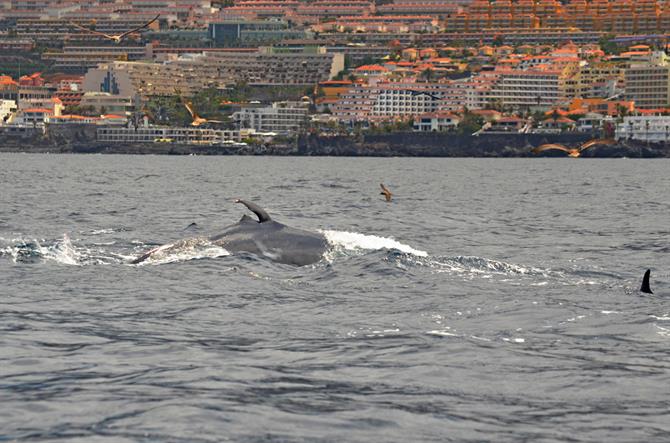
645, 283
246, 219
260, 213
193, 225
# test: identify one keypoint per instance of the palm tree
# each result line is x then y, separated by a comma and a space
427, 74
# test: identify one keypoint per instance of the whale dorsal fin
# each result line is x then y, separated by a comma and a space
246, 219
260, 212
645, 283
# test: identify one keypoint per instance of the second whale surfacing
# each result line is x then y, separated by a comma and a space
263, 237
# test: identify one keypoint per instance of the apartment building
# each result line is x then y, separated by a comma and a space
281, 117
648, 81
321, 10
54, 30
105, 103
475, 92
234, 33
355, 104
596, 79
528, 88
607, 16
149, 79
81, 58
54, 105
158, 134
272, 66
541, 86
385, 24
16, 44
651, 128
407, 99
440, 9
388, 100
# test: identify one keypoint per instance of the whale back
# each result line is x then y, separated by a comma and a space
266, 238
273, 240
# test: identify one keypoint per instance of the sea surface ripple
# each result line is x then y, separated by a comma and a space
491, 300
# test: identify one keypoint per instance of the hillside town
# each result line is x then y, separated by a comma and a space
238, 72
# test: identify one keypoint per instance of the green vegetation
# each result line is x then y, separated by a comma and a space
167, 111
19, 64
211, 103
608, 46
427, 74
470, 123
81, 110
392, 126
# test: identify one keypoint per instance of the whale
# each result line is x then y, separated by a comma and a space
263, 237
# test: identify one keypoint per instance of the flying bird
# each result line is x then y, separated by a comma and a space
116, 38
572, 152
385, 192
197, 120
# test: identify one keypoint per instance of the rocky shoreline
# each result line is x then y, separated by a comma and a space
402, 144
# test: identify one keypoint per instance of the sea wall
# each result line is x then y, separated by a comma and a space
452, 145
81, 139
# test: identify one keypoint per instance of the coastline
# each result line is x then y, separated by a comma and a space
400, 144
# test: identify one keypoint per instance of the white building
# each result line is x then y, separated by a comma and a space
383, 101
281, 117
7, 109
648, 81
436, 122
653, 128
106, 103
159, 134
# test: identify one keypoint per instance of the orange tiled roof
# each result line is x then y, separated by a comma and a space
557, 112
377, 68
7, 80
74, 117
336, 83
39, 110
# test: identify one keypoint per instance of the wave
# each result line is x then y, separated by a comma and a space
473, 264
60, 251
64, 252
354, 241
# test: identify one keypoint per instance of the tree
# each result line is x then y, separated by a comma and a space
470, 123
427, 74
608, 46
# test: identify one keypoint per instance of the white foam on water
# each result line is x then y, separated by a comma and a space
102, 231
665, 332
514, 340
354, 241
184, 250
62, 252
441, 333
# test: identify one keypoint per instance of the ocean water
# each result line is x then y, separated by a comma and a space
491, 300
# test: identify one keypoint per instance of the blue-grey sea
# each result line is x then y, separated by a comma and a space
491, 300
